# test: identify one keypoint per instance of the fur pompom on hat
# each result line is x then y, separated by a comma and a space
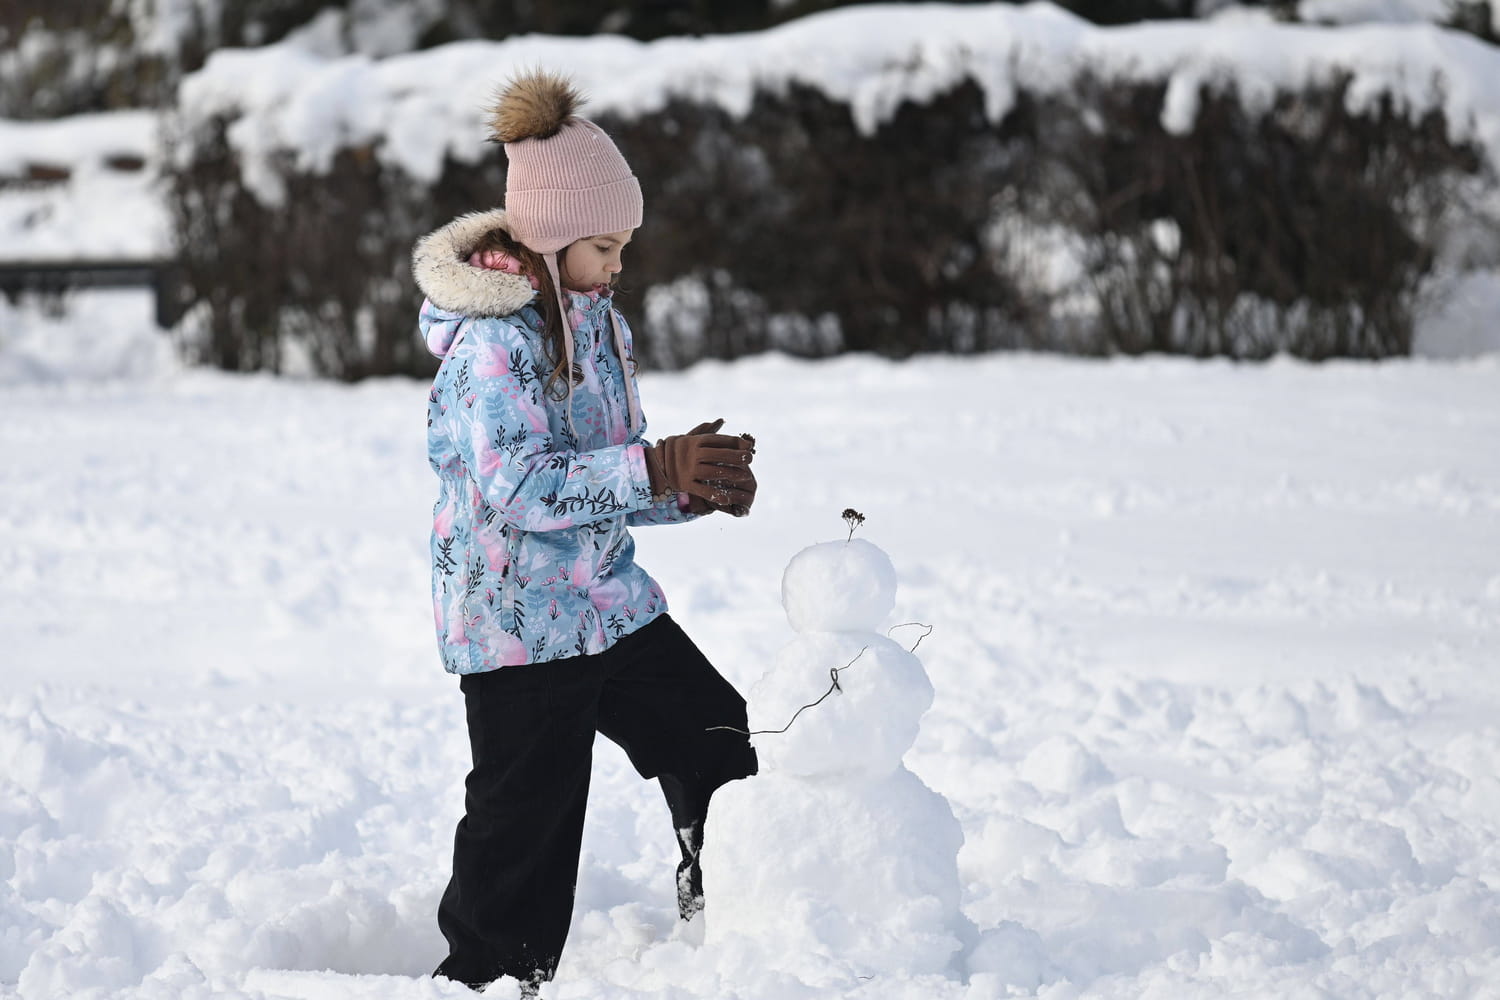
566, 180
534, 106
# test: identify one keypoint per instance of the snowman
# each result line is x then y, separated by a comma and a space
836, 861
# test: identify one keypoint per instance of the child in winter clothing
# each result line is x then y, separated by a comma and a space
536, 434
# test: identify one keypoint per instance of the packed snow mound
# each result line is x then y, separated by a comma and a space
94, 336
1458, 318
845, 586
102, 210
863, 879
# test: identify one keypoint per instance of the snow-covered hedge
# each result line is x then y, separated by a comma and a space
884, 178
63, 57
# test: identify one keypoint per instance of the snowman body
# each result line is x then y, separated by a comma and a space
836, 852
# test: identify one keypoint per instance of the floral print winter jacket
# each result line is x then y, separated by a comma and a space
532, 559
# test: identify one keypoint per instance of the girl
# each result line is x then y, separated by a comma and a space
536, 434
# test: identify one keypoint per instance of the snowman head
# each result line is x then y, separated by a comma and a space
843, 586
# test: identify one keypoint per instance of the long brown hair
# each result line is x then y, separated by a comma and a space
554, 324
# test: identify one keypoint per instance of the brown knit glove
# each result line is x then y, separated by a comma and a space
698, 505
711, 467
701, 507
742, 508
711, 427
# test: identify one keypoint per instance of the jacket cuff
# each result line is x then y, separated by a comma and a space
640, 470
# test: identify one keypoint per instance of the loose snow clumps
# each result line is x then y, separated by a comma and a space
836, 861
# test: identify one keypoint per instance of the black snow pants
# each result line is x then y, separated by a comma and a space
531, 732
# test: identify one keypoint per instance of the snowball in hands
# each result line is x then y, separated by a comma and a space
837, 860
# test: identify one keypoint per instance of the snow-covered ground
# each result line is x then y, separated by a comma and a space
1214, 646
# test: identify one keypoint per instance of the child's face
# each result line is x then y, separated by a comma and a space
594, 260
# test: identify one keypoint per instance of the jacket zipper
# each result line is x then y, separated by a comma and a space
512, 546
597, 331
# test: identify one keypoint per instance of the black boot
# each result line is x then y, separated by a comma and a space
689, 810
690, 872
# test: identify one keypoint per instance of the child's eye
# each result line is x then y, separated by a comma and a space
601, 249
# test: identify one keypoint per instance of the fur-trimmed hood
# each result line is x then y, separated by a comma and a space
440, 263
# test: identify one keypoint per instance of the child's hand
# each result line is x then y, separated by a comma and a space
700, 506
743, 508
714, 467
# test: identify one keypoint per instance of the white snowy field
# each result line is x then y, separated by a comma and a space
1216, 651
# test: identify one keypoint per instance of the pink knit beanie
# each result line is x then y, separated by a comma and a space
566, 179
